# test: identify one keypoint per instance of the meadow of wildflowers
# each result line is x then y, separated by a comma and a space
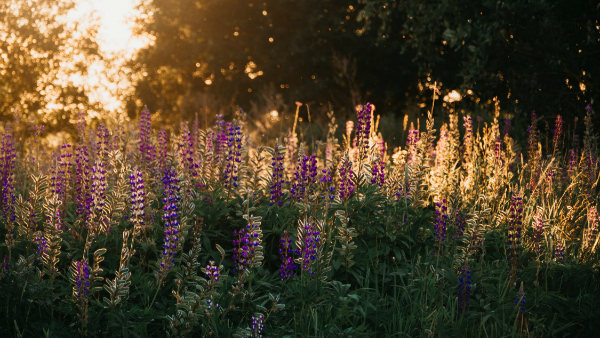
150, 232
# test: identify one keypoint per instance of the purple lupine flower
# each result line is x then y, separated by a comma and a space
378, 173
82, 179
363, 130
81, 277
233, 155
468, 138
138, 198
64, 172
346, 182
212, 272
464, 289
98, 189
514, 231
288, 267
258, 326
327, 185
277, 177
441, 223
242, 251
559, 251
538, 232
304, 177
460, 223
573, 161
558, 133
309, 240
7, 165
520, 299
101, 145
42, 244
170, 216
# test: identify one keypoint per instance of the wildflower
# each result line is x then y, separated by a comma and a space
287, 269
257, 326
346, 183
81, 279
441, 221
138, 196
41, 243
514, 231
378, 174
538, 232
559, 252
459, 220
212, 272
363, 129
277, 177
310, 244
82, 179
234, 155
7, 165
464, 289
304, 177
557, 133
98, 188
170, 217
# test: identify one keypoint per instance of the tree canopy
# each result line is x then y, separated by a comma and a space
40, 52
533, 55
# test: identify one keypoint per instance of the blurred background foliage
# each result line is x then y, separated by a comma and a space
211, 56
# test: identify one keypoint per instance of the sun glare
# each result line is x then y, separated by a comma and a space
115, 23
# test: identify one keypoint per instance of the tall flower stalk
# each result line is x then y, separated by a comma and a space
515, 229
171, 218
